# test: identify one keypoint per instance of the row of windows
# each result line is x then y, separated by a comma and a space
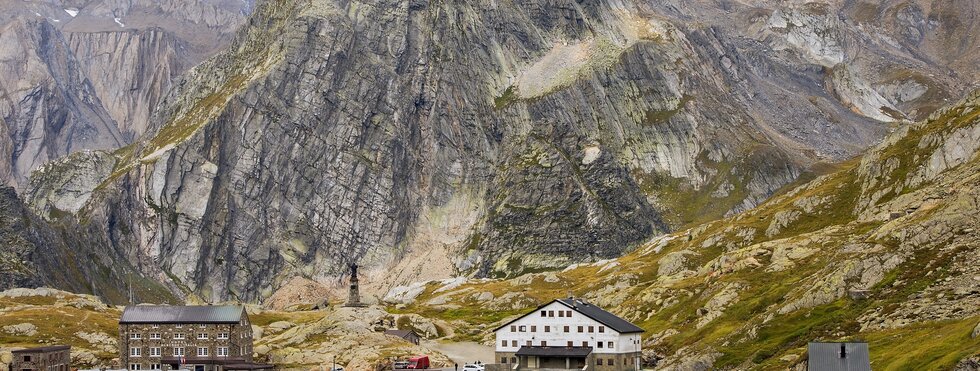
513, 344
178, 336
137, 366
177, 352
561, 313
581, 329
598, 361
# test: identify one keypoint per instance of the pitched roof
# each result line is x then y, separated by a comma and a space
50, 348
600, 315
554, 351
826, 357
182, 314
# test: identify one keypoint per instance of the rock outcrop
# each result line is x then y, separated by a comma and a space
87, 77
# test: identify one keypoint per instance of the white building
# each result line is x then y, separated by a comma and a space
569, 334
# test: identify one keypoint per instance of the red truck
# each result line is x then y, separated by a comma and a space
418, 363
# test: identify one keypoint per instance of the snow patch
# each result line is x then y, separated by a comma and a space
119, 21
72, 12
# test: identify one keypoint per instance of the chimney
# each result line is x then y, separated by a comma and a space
843, 352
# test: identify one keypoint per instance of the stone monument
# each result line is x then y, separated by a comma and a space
354, 296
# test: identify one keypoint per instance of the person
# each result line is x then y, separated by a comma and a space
457, 366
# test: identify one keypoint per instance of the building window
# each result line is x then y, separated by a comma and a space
202, 352
154, 366
179, 336
513, 328
544, 313
134, 366
513, 359
570, 344
581, 329
522, 329
566, 329
222, 351
27, 358
135, 336
561, 313
544, 343
611, 361
503, 343
591, 329
568, 313
602, 329
534, 328
178, 325
202, 326
585, 344
179, 352
551, 313
503, 359
155, 326
202, 336
599, 344
154, 351
528, 343
598, 361
547, 329
513, 343
222, 335
155, 336
135, 352
610, 346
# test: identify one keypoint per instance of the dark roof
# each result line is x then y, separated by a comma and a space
620, 325
404, 334
182, 314
52, 348
826, 357
610, 320
554, 351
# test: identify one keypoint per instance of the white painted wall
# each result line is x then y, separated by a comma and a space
622, 343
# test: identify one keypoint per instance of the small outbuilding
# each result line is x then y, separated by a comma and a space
407, 335
838, 357
50, 358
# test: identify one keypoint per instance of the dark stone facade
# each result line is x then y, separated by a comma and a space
170, 346
52, 358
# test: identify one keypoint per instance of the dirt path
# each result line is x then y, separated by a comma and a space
463, 353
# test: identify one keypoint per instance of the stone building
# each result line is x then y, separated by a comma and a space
569, 334
50, 358
197, 338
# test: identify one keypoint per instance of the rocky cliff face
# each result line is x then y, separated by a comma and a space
882, 250
498, 137
86, 75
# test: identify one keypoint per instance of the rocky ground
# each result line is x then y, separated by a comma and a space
884, 249
298, 339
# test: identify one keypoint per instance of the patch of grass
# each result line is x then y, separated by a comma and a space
508, 97
923, 346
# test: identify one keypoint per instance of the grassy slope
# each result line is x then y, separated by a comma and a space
750, 333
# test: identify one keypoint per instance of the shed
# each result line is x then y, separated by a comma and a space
838, 357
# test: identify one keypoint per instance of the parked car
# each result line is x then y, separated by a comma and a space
400, 365
418, 363
473, 367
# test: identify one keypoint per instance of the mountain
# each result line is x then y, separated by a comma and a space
77, 75
883, 249
426, 140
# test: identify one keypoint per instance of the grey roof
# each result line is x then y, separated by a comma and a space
620, 325
826, 357
182, 314
47, 349
610, 320
554, 351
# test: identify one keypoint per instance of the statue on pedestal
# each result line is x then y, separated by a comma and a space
354, 296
